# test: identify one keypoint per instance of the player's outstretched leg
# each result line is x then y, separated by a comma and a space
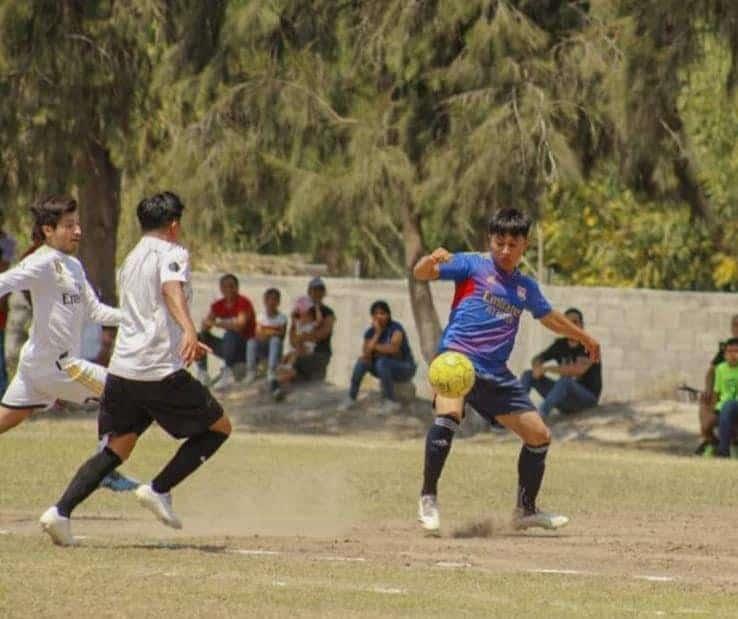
11, 417
437, 447
531, 466
55, 520
156, 496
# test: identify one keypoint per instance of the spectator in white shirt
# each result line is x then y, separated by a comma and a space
268, 341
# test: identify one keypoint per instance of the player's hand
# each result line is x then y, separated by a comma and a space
592, 346
190, 347
441, 255
537, 371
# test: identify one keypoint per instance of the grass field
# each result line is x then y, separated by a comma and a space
280, 525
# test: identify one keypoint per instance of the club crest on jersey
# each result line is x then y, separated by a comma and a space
174, 266
522, 293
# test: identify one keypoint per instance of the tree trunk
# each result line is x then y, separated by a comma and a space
421, 300
99, 194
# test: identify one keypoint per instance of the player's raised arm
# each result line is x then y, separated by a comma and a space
427, 268
24, 276
100, 312
558, 323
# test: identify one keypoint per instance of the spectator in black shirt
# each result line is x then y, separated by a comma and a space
708, 413
313, 366
580, 381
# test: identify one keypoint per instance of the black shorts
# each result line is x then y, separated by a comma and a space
178, 403
501, 395
312, 367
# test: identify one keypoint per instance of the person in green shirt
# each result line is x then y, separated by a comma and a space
726, 395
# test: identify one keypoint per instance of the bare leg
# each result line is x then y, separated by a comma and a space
11, 417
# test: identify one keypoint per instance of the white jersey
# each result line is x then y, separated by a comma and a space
63, 301
147, 346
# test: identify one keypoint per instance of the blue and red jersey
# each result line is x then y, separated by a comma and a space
486, 310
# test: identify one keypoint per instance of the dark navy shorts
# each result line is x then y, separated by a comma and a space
499, 395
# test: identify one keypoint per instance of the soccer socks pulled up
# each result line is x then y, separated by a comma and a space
531, 466
437, 446
193, 452
87, 479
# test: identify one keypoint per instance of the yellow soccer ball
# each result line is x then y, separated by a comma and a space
451, 374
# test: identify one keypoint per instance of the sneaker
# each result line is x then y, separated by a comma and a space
346, 405
225, 381
159, 504
710, 450
428, 514
201, 374
389, 407
543, 520
58, 527
276, 391
250, 378
117, 482
705, 446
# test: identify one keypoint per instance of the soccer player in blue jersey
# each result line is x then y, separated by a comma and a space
491, 294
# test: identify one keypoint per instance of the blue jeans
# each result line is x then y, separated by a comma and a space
727, 422
231, 348
3, 368
566, 394
270, 349
388, 371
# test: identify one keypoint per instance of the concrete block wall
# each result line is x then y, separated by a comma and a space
651, 340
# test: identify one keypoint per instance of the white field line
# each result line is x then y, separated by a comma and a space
452, 564
563, 571
252, 552
652, 578
347, 559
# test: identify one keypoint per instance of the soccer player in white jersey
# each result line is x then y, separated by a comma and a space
147, 380
50, 365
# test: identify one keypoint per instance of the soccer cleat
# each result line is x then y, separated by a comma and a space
542, 520
428, 514
159, 504
117, 482
58, 527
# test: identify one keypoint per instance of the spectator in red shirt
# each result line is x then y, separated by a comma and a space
234, 313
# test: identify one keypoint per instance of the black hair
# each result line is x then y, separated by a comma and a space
574, 310
380, 305
272, 292
48, 210
733, 341
509, 221
230, 276
159, 210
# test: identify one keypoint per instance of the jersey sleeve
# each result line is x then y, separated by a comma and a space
369, 333
99, 312
28, 275
535, 302
457, 269
175, 265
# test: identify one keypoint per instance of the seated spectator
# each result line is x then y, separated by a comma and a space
726, 395
580, 381
386, 354
314, 345
303, 323
235, 315
267, 342
708, 412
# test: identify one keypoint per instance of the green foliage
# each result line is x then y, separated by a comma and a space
326, 127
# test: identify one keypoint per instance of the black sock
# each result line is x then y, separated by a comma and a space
87, 478
437, 446
193, 452
531, 465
